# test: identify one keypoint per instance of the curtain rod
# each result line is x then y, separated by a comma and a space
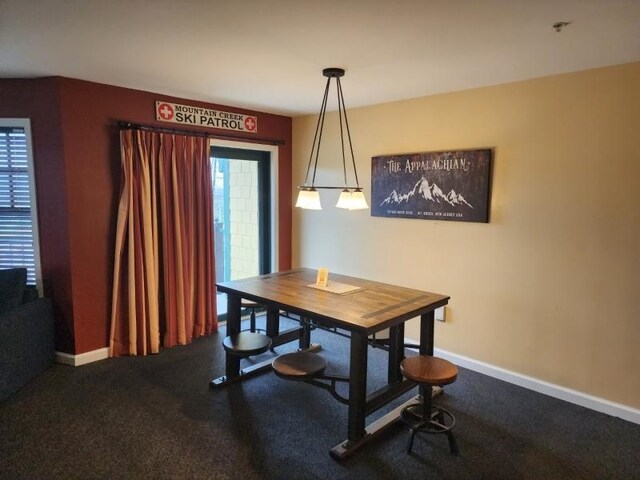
195, 133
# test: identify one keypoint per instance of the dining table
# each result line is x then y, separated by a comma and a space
359, 307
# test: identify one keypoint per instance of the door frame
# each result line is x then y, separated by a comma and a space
273, 174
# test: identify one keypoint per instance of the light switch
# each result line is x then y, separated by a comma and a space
440, 314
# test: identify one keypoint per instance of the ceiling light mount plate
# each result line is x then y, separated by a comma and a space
333, 72
558, 26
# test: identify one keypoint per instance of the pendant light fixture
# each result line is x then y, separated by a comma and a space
351, 197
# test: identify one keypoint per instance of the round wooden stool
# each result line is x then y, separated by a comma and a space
299, 365
246, 344
252, 307
424, 416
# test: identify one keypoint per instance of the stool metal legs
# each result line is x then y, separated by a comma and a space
252, 320
411, 437
428, 418
453, 445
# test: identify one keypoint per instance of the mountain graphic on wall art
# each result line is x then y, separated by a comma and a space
429, 192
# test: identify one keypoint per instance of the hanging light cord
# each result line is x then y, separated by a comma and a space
324, 110
317, 138
340, 113
346, 121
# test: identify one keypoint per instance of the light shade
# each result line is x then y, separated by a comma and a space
358, 202
344, 200
309, 199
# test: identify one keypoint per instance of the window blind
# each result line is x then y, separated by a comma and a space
16, 230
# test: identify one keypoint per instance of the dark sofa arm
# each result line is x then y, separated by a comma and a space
26, 344
30, 294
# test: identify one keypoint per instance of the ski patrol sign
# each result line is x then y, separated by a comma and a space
205, 117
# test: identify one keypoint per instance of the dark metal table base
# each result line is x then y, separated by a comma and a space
370, 310
253, 370
345, 449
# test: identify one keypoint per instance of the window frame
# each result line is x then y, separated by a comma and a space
25, 124
273, 150
263, 160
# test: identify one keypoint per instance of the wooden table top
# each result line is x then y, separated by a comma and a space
373, 308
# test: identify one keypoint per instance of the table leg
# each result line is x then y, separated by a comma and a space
426, 340
357, 387
396, 353
273, 321
232, 362
426, 333
233, 314
305, 337
357, 434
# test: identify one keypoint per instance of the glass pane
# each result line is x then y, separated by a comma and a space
243, 219
16, 232
236, 220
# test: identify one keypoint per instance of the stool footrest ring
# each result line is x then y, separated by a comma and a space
435, 420
440, 420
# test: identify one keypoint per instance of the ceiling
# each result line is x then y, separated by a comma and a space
268, 55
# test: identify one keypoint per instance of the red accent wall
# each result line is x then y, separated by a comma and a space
86, 183
39, 100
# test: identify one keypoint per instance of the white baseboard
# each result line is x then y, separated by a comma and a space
573, 396
83, 358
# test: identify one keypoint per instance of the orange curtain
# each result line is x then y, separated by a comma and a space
164, 280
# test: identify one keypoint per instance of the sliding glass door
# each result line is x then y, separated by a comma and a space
241, 188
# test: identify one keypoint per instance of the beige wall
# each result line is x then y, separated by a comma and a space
550, 287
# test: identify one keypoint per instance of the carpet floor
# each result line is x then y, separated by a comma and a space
155, 417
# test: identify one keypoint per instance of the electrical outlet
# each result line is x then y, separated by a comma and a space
440, 314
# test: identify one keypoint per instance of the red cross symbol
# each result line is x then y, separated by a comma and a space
250, 124
165, 111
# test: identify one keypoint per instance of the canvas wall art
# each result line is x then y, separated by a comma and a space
452, 185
